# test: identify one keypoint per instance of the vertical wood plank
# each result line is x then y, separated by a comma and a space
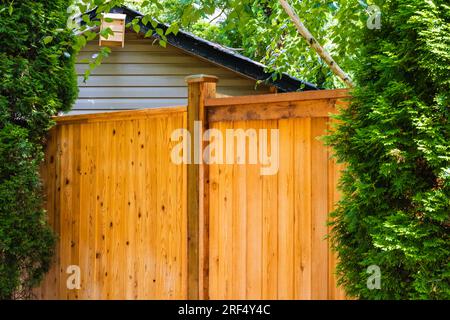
113, 201
92, 207
286, 212
254, 229
225, 223
319, 170
302, 181
75, 204
178, 215
214, 240
269, 221
161, 204
149, 237
87, 210
118, 227
129, 215
103, 164
183, 228
239, 223
66, 200
140, 244
172, 234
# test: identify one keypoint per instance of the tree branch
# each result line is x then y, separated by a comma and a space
312, 42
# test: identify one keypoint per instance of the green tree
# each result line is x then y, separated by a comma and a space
394, 138
260, 29
37, 81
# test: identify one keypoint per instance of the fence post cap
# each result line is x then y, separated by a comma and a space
201, 78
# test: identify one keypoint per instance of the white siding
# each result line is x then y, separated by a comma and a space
145, 75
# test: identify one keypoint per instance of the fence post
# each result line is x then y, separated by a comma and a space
200, 87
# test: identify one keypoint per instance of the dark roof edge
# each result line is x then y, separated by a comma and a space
220, 55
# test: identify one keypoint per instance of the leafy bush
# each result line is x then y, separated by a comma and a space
394, 137
37, 81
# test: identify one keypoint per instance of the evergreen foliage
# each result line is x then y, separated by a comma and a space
37, 80
394, 138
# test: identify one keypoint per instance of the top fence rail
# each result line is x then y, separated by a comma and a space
279, 97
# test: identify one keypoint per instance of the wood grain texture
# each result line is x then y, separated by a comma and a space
281, 97
117, 202
302, 201
275, 226
197, 197
273, 111
286, 212
319, 213
120, 208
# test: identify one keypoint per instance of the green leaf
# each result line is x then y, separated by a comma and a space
90, 35
173, 28
136, 28
87, 73
106, 32
86, 18
148, 34
48, 39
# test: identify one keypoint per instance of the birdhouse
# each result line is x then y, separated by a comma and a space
116, 22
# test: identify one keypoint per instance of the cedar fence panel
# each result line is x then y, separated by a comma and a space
117, 203
267, 233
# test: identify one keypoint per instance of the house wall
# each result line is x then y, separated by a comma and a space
146, 75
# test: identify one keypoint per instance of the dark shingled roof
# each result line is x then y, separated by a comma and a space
219, 55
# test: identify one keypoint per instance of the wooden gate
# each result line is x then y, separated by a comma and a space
267, 233
117, 203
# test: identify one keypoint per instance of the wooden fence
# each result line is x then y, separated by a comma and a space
141, 227
118, 205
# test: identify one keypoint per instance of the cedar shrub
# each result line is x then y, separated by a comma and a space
394, 139
37, 80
